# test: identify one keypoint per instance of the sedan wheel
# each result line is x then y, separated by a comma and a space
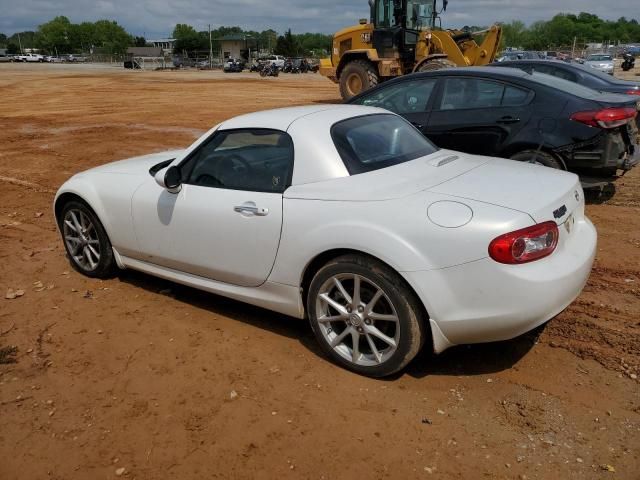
364, 316
86, 241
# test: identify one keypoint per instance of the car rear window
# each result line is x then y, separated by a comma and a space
565, 85
599, 58
372, 142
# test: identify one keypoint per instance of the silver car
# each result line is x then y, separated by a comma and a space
600, 61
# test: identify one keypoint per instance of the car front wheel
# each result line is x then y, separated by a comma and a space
364, 316
86, 241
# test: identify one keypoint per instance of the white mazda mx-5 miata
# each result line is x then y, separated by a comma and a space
347, 216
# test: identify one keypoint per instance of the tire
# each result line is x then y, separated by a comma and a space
357, 76
539, 158
91, 252
398, 316
435, 64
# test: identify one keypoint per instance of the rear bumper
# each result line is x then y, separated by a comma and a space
484, 301
608, 153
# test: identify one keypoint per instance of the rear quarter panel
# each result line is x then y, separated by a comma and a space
398, 232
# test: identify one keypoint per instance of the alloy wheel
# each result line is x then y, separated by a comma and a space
81, 239
357, 319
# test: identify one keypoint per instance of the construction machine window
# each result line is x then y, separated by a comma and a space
402, 97
384, 14
420, 14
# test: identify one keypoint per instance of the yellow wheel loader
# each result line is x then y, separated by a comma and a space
402, 37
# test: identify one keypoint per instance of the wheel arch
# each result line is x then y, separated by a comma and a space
366, 55
523, 147
89, 197
321, 259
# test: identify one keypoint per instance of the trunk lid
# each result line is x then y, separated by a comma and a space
542, 193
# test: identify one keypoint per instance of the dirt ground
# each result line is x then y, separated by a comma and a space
164, 381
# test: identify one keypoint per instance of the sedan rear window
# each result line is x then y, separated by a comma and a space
566, 86
377, 141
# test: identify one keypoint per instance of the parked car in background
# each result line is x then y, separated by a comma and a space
347, 217
4, 58
53, 59
508, 113
277, 60
233, 65
75, 58
180, 61
519, 55
601, 62
587, 76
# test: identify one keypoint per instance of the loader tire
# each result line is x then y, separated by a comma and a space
356, 77
435, 64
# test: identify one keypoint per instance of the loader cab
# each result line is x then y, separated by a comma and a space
398, 23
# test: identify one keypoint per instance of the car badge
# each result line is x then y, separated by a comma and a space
577, 195
559, 213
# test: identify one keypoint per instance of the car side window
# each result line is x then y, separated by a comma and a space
514, 97
556, 72
403, 97
258, 160
474, 93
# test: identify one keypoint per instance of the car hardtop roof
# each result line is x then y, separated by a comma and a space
283, 118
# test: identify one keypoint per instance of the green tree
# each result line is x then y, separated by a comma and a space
3, 39
12, 49
140, 42
288, 45
188, 39
56, 35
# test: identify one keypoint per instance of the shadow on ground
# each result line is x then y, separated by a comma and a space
467, 360
598, 196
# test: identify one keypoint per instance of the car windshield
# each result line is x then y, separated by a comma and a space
565, 85
599, 58
372, 142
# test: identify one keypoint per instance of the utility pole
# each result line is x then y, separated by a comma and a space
210, 50
573, 49
20, 43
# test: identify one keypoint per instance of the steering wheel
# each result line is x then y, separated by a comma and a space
239, 166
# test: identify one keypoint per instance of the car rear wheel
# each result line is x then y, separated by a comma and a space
538, 158
364, 316
86, 241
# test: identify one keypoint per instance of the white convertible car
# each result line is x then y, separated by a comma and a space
347, 216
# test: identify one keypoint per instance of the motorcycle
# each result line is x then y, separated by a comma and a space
270, 70
629, 62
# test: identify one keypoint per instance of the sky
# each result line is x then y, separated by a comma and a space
156, 18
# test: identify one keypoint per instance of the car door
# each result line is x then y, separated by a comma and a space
409, 98
225, 222
478, 115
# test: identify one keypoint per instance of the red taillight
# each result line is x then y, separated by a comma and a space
633, 92
526, 245
606, 118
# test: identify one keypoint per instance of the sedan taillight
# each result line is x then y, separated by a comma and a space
633, 92
526, 245
606, 118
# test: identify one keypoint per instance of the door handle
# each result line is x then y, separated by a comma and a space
252, 208
507, 120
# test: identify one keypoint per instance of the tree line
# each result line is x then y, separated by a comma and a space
106, 36
60, 36
188, 39
563, 28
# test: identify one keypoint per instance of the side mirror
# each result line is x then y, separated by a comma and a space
169, 178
